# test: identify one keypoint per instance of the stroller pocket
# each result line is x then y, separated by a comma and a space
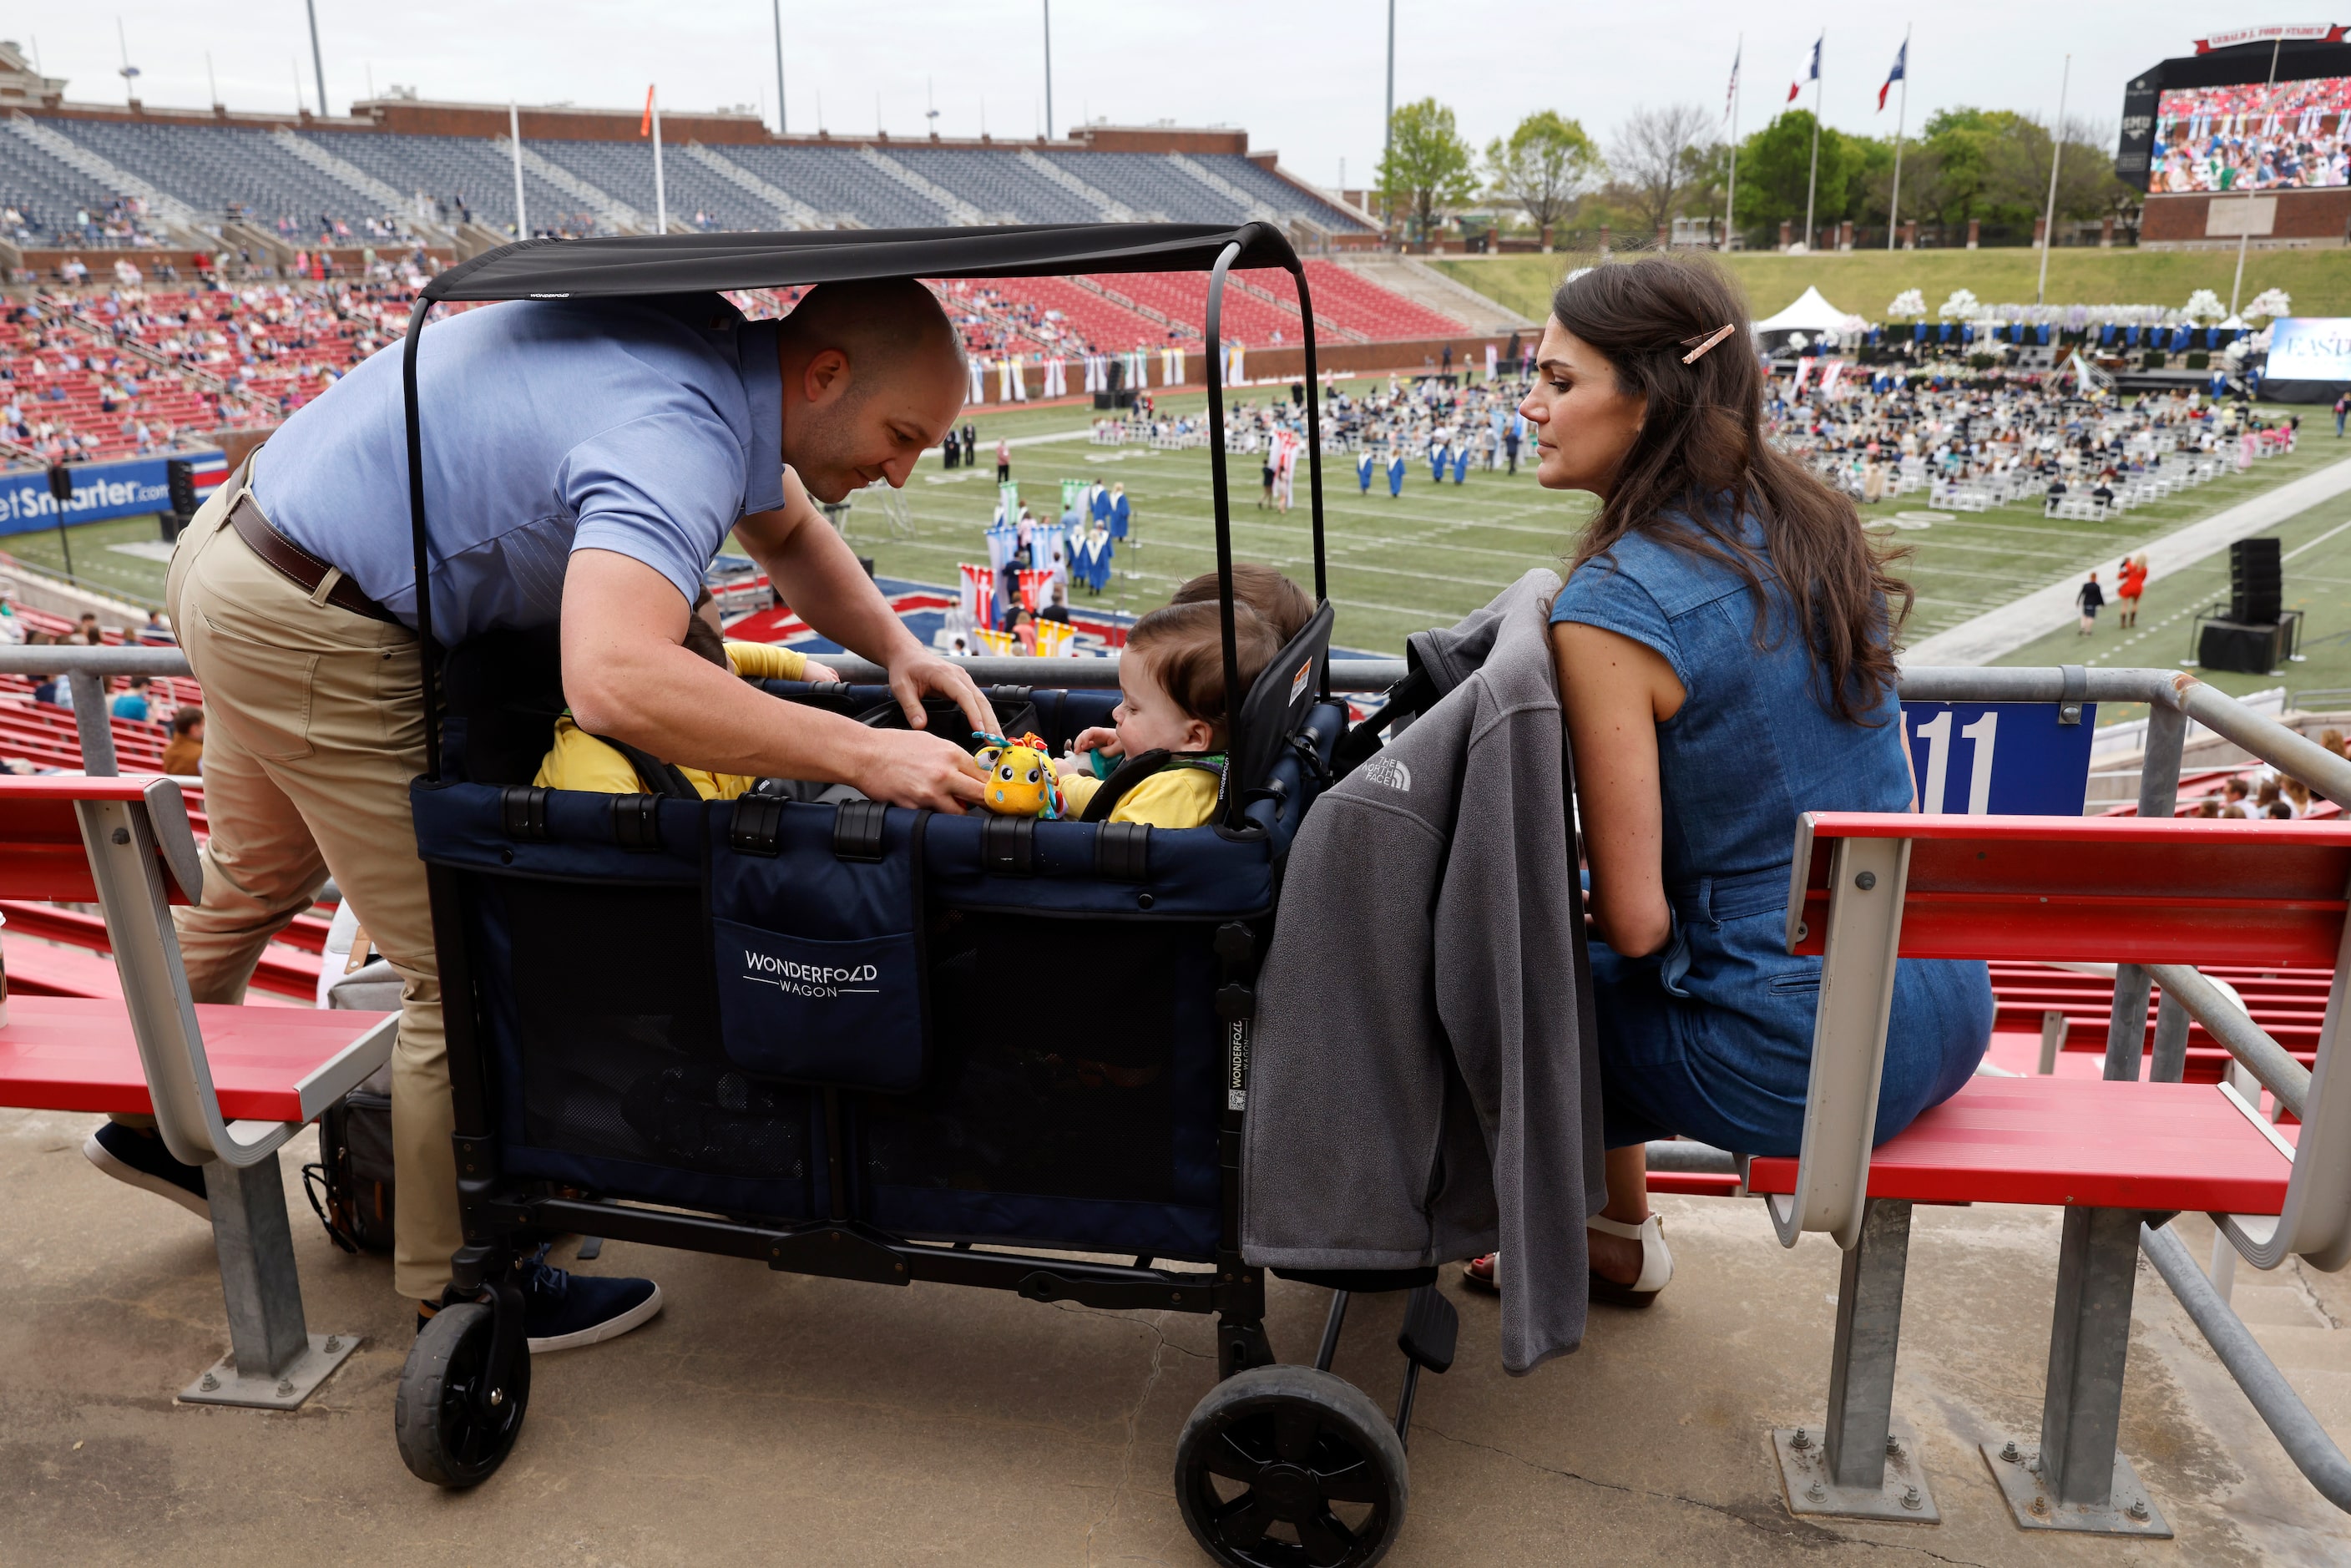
816, 921
847, 1013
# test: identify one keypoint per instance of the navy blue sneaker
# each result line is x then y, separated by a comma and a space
140, 1159
564, 1311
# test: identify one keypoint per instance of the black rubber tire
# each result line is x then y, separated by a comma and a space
1292, 1441
443, 1438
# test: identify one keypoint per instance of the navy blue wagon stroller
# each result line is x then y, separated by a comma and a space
761, 1028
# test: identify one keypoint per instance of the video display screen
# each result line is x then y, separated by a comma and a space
2252, 137
2310, 349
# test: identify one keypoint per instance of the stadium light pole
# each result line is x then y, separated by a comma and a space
779, 9
1048, 70
2245, 229
2056, 155
1731, 188
1387, 146
514, 142
318, 60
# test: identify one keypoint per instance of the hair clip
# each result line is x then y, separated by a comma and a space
1705, 342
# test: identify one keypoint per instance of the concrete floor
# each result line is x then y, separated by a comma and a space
774, 1419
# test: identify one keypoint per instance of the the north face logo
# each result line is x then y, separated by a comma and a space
1388, 771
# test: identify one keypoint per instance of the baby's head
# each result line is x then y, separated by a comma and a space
1281, 603
1172, 680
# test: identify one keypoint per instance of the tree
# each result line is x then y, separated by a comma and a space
1656, 155
1428, 165
1547, 163
1775, 164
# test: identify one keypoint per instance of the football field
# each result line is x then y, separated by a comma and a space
1396, 565
1439, 551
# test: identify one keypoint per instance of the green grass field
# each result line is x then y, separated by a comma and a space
1866, 282
2317, 568
1440, 551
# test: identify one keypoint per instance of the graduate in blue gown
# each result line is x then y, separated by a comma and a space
1396, 473
1461, 463
1436, 463
1363, 470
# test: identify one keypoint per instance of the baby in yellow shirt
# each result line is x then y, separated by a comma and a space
579, 761
1172, 690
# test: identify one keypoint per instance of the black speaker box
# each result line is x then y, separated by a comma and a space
2245, 649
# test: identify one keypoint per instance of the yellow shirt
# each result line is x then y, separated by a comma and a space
577, 760
1174, 797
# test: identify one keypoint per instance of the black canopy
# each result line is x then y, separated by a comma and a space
686, 264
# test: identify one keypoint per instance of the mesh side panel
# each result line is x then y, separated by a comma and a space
619, 1036
1052, 1049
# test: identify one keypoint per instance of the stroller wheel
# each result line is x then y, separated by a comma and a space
455, 1431
1287, 1467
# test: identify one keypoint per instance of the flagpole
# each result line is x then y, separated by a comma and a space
661, 196
1813, 180
1730, 196
1901, 118
514, 135
2056, 152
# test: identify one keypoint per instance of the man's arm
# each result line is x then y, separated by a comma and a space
819, 578
627, 677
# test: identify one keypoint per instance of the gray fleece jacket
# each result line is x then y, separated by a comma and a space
1425, 1082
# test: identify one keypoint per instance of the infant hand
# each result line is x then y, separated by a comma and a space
818, 673
1098, 739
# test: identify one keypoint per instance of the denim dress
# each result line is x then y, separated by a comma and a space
1711, 1037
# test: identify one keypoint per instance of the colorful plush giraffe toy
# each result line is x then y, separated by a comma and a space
1020, 777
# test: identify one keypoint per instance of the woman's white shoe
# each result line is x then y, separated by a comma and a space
1656, 1261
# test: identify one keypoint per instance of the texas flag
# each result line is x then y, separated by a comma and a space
1901, 63
1810, 70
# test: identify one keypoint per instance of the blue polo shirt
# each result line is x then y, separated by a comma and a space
644, 428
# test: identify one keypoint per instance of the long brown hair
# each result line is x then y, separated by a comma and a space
1699, 465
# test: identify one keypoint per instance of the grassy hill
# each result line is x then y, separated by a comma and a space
1864, 282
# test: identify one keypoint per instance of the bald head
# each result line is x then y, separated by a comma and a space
874, 374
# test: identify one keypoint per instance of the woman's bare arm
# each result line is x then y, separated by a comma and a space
1615, 692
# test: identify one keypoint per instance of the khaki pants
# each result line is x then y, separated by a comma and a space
315, 724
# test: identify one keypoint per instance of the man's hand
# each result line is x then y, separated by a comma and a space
919, 670
917, 770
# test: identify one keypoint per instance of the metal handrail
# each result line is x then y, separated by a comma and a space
2246, 1040
2306, 1442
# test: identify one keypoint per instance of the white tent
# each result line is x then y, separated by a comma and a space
1809, 314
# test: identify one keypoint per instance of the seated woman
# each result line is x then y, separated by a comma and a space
1725, 648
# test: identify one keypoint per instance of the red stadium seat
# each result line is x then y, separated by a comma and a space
226, 1104
1871, 888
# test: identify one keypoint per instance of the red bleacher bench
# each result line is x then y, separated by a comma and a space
227, 1085
1868, 889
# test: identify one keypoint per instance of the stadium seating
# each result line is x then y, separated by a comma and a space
268, 177
1356, 304
218, 169
227, 1086
1870, 888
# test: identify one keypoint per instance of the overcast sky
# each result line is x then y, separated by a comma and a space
1305, 76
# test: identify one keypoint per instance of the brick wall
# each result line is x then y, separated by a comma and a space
2322, 215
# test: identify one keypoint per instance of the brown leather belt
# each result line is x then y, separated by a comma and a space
292, 561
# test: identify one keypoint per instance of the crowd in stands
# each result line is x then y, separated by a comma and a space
120, 223
2021, 432
158, 722
138, 370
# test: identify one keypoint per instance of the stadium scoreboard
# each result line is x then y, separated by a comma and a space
2213, 122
